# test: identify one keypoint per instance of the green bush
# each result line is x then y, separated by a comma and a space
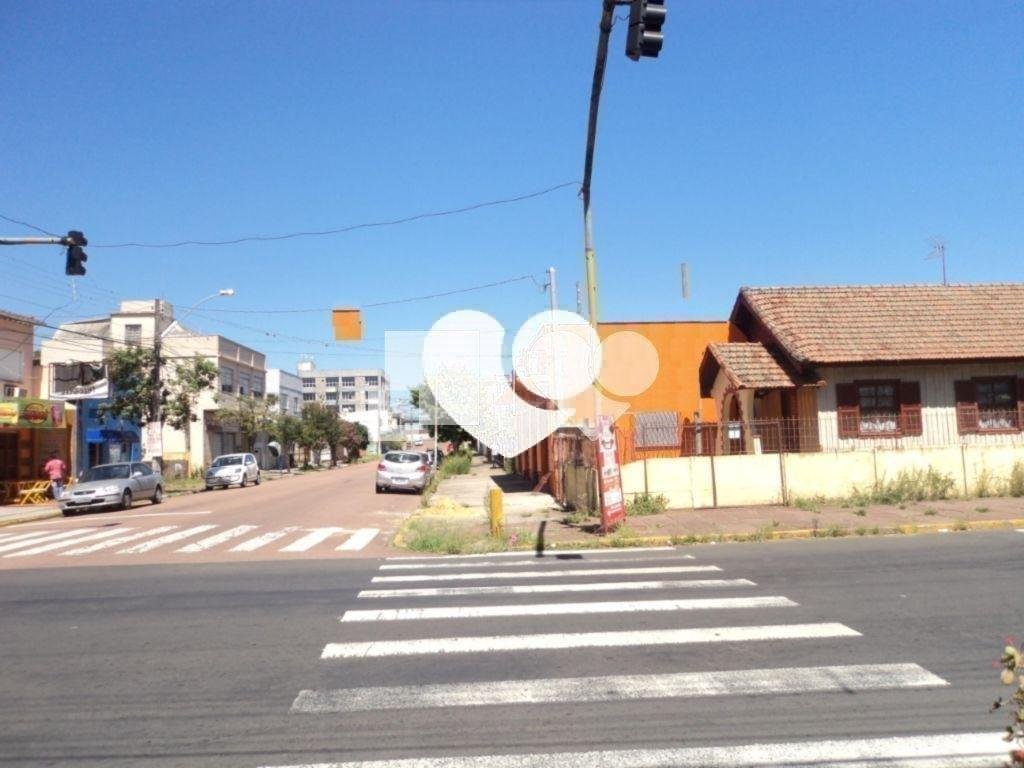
909, 485
457, 464
646, 504
1015, 486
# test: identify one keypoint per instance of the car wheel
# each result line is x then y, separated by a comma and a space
209, 487
379, 489
126, 499
243, 482
67, 512
158, 495
258, 479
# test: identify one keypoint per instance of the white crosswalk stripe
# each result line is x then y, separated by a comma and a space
311, 539
39, 537
526, 589
261, 541
546, 574
67, 542
359, 539
566, 609
855, 678
170, 538
533, 561
111, 543
218, 538
548, 553
561, 640
940, 750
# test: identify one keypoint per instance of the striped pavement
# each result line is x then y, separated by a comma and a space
129, 540
420, 613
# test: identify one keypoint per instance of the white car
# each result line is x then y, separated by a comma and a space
233, 469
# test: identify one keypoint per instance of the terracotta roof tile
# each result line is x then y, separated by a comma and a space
748, 366
879, 323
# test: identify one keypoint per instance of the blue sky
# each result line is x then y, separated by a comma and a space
772, 143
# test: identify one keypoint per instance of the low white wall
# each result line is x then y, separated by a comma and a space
749, 480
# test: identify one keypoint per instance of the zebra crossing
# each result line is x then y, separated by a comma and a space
130, 540
405, 633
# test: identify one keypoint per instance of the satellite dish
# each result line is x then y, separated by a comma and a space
275, 447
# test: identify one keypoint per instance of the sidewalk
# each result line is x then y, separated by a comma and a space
458, 508
9, 515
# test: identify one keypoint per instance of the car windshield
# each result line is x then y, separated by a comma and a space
106, 472
402, 458
224, 461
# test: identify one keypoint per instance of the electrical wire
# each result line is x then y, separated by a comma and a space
30, 226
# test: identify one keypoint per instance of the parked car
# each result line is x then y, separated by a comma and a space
112, 485
418, 441
233, 469
402, 469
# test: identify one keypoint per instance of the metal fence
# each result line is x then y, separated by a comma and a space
939, 428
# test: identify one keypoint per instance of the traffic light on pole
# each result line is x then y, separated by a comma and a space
76, 257
644, 37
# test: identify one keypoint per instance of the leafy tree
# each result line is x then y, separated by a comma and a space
189, 380
286, 429
320, 429
130, 373
354, 438
252, 416
448, 429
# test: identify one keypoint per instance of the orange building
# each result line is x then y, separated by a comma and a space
676, 349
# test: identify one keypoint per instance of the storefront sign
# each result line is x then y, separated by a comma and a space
613, 508
154, 440
29, 412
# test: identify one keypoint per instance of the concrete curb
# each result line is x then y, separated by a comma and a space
31, 518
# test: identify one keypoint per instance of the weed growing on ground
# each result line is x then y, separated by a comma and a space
646, 504
982, 510
809, 504
985, 485
876, 530
860, 512
860, 530
959, 525
909, 485
930, 512
1015, 485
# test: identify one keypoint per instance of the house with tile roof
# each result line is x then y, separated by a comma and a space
859, 367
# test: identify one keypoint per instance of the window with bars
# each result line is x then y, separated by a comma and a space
989, 404
309, 383
372, 381
227, 380
133, 335
308, 396
332, 381
879, 408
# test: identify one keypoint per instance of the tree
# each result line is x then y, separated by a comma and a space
286, 429
448, 429
252, 416
130, 374
189, 380
320, 429
354, 438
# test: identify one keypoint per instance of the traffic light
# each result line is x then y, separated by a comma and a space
644, 37
76, 257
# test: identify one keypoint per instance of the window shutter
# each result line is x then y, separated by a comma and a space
848, 410
910, 408
1020, 403
966, 407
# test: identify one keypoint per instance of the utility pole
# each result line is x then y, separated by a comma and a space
579, 299
552, 290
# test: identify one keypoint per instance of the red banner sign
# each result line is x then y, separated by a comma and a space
613, 508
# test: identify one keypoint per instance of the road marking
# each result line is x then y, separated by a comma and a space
41, 536
547, 553
311, 539
52, 545
508, 564
170, 538
952, 750
525, 589
260, 541
565, 609
217, 538
563, 640
153, 514
744, 682
358, 540
7, 538
544, 574
110, 543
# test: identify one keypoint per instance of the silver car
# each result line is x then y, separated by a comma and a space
233, 469
112, 485
402, 469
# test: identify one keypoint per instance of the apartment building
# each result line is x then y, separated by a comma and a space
287, 387
350, 390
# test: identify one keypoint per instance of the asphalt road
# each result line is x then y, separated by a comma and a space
327, 514
221, 664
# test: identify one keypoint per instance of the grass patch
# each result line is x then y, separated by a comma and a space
1015, 485
981, 510
809, 504
861, 530
181, 484
930, 512
646, 504
908, 486
450, 538
959, 525
860, 512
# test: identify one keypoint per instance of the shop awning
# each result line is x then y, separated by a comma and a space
110, 436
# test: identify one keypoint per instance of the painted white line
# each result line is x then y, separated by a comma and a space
946, 750
311, 539
170, 538
111, 543
526, 589
154, 514
563, 640
261, 541
565, 609
11, 537
547, 553
42, 536
358, 540
52, 545
1020, 530
217, 538
545, 574
509, 564
743, 682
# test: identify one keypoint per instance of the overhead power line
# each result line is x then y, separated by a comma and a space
322, 232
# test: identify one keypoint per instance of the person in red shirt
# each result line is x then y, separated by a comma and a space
55, 470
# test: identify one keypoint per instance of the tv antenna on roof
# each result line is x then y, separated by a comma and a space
939, 252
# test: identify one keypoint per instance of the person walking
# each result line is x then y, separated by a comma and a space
55, 469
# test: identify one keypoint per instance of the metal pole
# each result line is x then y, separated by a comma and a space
579, 299
35, 241
552, 290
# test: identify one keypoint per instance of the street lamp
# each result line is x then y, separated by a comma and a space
189, 310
